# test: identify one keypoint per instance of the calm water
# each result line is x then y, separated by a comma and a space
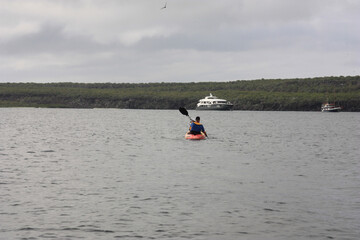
130, 174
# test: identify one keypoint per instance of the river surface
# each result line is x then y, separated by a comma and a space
130, 174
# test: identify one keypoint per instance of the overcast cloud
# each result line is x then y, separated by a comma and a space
189, 41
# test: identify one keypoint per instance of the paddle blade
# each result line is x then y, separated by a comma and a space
183, 111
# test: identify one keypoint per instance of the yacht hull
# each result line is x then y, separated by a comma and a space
215, 107
331, 110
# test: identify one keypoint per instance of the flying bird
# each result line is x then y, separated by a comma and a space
164, 6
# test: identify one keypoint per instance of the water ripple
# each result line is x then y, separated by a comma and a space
111, 174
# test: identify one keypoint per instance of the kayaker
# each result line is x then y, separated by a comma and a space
196, 127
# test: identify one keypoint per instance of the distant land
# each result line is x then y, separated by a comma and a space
303, 94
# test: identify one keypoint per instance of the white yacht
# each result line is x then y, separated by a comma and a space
213, 103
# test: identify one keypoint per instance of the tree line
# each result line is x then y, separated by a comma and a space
305, 94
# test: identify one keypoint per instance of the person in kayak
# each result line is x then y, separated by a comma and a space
196, 127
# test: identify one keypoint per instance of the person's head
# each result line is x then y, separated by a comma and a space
197, 119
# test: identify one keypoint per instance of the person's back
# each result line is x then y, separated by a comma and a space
196, 127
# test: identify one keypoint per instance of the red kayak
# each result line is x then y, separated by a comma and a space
195, 136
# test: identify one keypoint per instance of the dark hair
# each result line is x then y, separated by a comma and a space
197, 118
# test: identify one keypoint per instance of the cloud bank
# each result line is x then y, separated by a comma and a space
189, 41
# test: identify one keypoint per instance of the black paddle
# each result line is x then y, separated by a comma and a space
185, 112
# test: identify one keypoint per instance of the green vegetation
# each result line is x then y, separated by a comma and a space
275, 94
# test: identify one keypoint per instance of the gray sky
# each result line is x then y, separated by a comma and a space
189, 41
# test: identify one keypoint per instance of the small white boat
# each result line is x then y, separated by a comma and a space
213, 103
330, 107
